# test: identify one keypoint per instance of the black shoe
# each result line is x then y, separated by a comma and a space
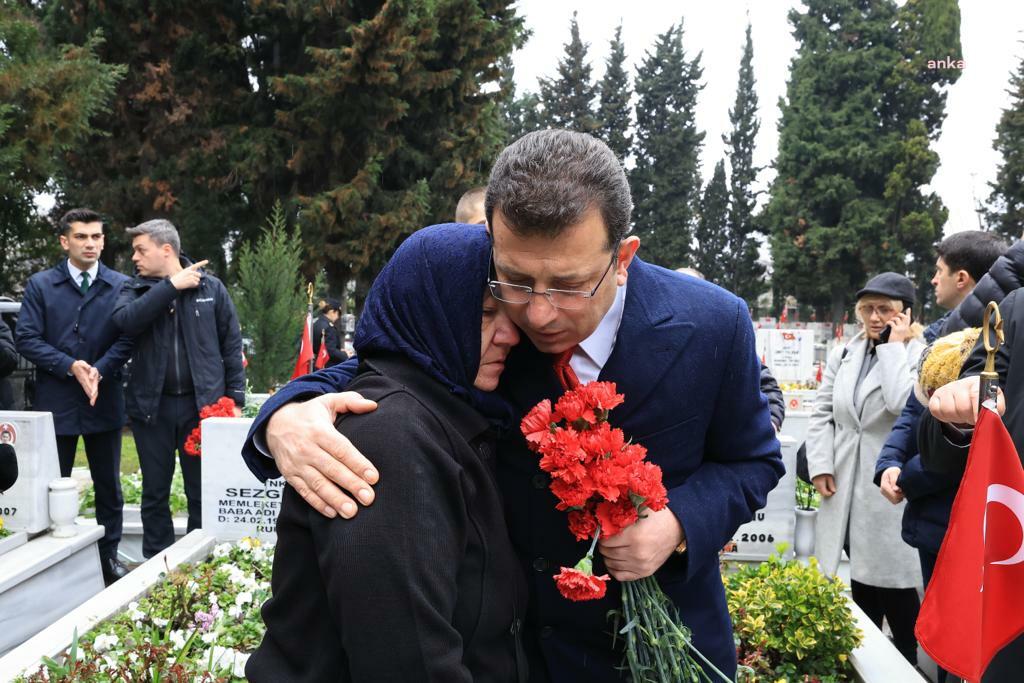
113, 570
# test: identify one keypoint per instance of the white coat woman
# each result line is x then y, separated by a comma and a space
864, 389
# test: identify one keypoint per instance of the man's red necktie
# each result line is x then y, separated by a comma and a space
563, 371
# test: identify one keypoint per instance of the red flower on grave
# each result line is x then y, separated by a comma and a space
224, 407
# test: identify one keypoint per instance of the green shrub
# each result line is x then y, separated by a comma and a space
791, 622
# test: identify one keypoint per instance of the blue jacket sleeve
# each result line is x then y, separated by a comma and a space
902, 442
134, 313
29, 335
326, 381
742, 456
119, 352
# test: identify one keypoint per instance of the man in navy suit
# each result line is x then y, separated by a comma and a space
65, 329
679, 349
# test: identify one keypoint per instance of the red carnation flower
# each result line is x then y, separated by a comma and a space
614, 517
576, 585
574, 409
645, 482
536, 426
602, 439
600, 395
582, 524
571, 494
562, 456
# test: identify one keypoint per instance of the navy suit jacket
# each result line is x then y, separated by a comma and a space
684, 357
58, 325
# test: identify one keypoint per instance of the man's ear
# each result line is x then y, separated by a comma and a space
627, 250
964, 280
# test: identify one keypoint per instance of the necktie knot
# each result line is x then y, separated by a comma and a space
85, 282
563, 370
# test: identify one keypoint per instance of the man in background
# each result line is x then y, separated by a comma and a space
470, 209
65, 330
325, 332
188, 354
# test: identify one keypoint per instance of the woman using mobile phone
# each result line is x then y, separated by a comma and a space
863, 390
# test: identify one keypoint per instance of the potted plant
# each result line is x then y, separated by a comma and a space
807, 501
791, 622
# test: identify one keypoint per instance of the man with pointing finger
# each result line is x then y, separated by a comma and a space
64, 329
188, 354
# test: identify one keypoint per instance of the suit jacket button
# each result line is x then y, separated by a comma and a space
540, 564
540, 481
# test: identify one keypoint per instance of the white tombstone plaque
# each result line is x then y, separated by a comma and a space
25, 507
791, 355
776, 521
235, 503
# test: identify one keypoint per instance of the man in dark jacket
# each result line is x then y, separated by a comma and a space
64, 328
188, 354
325, 332
8, 363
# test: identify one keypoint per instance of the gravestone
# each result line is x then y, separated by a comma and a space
776, 521
235, 503
25, 507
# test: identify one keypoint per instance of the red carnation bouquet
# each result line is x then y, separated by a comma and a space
606, 484
224, 407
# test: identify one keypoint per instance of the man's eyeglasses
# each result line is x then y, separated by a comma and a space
568, 299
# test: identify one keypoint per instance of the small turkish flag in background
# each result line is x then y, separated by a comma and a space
322, 356
974, 604
305, 359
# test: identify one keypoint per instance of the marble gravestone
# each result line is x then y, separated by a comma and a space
774, 523
25, 507
235, 503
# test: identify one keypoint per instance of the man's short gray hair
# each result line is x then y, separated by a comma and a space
161, 231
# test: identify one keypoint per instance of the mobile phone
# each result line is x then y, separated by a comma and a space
884, 336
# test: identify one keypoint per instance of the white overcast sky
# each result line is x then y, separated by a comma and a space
990, 34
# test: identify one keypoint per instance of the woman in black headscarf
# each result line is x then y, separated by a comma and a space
423, 585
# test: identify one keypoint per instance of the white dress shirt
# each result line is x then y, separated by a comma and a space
593, 352
76, 274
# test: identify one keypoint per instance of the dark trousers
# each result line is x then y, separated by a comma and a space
899, 606
176, 417
103, 451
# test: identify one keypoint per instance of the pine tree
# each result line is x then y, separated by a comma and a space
50, 98
170, 145
860, 111
1006, 213
568, 99
271, 301
387, 129
744, 273
712, 234
614, 111
521, 115
666, 180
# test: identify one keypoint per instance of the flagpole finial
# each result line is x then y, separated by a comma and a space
309, 292
993, 321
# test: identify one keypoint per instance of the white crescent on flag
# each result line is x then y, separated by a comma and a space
1013, 499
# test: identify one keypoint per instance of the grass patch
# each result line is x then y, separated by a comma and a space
129, 454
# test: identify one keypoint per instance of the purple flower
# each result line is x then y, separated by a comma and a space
204, 620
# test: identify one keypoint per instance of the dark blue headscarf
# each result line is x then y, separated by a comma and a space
426, 304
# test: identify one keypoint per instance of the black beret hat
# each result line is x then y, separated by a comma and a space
891, 285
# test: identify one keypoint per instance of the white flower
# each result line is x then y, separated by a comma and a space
238, 670
104, 642
133, 657
213, 600
209, 637
159, 622
192, 586
227, 658
221, 550
243, 598
177, 638
110, 662
134, 613
234, 612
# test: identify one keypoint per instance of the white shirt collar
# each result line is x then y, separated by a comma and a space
594, 351
76, 274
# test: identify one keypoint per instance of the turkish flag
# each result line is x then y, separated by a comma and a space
322, 356
306, 350
974, 604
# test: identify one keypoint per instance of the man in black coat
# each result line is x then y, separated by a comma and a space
325, 332
8, 363
188, 354
64, 328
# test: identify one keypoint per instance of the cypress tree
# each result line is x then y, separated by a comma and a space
50, 98
743, 273
665, 181
860, 111
523, 114
712, 233
1006, 213
568, 99
614, 110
